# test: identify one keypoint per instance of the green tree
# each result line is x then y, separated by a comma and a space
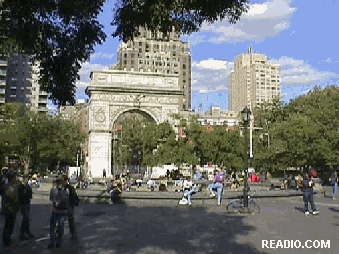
37, 138
61, 35
186, 16
60, 141
304, 132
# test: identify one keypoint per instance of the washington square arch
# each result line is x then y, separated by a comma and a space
115, 93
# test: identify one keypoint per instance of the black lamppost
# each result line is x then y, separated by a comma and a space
246, 116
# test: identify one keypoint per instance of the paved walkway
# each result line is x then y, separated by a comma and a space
149, 226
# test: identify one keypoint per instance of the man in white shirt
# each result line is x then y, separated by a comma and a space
189, 190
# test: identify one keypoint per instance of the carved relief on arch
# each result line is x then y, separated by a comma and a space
114, 111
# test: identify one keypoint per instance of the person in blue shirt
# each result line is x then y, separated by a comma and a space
334, 183
308, 195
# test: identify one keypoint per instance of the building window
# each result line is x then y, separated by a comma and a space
125, 62
14, 79
174, 53
140, 50
132, 55
184, 66
125, 55
132, 62
140, 43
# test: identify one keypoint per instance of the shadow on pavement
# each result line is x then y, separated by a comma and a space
336, 210
144, 228
299, 209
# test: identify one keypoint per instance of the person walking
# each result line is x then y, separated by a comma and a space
217, 185
73, 201
11, 206
25, 196
104, 173
334, 183
59, 196
308, 195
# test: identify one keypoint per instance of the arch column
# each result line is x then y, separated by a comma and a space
100, 138
100, 153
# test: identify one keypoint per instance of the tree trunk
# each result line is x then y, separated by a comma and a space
25, 162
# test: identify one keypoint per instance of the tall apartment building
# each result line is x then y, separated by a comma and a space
253, 81
3, 72
22, 84
152, 52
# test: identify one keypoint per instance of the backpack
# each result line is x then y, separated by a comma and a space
73, 197
219, 178
11, 199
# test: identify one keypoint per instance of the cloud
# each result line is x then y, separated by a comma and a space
82, 84
263, 20
102, 55
298, 72
86, 69
210, 76
328, 60
85, 80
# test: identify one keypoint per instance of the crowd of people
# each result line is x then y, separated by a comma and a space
16, 197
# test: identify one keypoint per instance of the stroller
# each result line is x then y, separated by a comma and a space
194, 189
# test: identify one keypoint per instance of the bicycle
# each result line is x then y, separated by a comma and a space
237, 205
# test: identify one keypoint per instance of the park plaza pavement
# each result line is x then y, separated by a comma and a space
162, 226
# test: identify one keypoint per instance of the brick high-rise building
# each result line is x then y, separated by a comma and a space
253, 81
152, 52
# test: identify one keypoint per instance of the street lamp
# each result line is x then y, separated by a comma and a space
246, 116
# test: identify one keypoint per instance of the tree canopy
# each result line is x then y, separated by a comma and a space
37, 139
185, 16
303, 132
61, 35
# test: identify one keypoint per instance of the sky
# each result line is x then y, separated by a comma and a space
300, 35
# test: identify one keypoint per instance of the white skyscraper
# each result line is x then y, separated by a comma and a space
253, 81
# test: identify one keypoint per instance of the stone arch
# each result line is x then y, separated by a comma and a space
132, 109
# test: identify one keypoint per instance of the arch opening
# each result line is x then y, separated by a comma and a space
119, 129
